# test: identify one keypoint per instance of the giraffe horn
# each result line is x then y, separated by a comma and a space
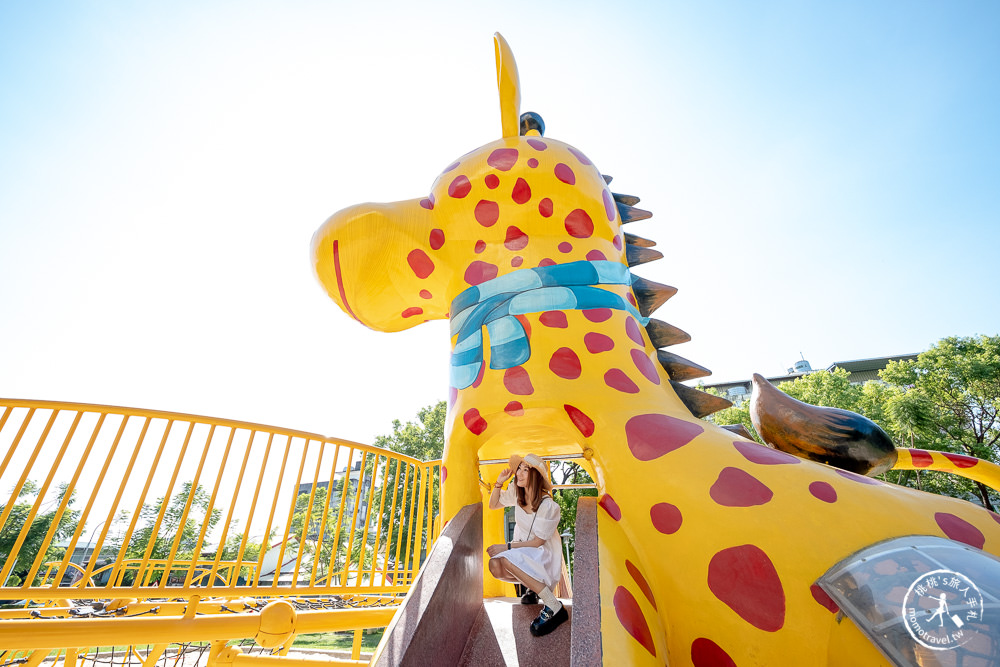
740, 430
630, 214
662, 334
635, 255
628, 200
632, 239
698, 402
650, 295
679, 368
607, 179
509, 86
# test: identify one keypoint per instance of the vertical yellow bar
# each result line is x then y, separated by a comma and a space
39, 500
322, 524
234, 572
10, 453
270, 517
418, 542
378, 520
252, 580
344, 490
411, 526
192, 492
402, 517
208, 513
368, 518
288, 522
308, 517
392, 516
354, 517
356, 646
163, 507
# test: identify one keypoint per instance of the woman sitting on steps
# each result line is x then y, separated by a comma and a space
534, 557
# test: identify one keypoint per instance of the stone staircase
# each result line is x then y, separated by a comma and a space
500, 637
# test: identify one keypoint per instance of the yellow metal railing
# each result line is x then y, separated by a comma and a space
109, 502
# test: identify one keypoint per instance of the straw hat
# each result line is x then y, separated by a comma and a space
535, 462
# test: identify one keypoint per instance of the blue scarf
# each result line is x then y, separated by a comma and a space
494, 304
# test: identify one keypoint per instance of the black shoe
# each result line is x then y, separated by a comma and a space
548, 621
529, 597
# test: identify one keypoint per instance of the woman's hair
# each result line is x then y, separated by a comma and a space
531, 494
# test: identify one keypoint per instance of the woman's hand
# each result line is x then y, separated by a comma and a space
495, 549
504, 475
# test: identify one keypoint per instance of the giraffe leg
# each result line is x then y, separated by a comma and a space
460, 471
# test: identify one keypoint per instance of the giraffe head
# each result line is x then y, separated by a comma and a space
518, 202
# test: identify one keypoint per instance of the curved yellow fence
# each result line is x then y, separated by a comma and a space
142, 509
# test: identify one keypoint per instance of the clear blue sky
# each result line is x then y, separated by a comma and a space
824, 179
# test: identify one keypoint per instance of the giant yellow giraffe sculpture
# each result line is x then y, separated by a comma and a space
712, 548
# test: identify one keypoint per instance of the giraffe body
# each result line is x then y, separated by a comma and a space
710, 545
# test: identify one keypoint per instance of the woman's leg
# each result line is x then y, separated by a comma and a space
507, 571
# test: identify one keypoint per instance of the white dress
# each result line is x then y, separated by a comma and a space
543, 563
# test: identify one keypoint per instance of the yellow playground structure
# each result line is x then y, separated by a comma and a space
138, 537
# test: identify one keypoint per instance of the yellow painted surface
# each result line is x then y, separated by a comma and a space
729, 537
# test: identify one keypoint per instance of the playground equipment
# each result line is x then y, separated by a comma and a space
172, 535
702, 548
712, 549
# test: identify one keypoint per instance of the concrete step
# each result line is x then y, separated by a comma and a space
500, 637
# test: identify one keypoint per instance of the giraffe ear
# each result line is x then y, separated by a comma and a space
509, 86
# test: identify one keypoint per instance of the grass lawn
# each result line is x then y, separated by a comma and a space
341, 641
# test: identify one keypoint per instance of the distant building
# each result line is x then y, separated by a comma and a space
860, 371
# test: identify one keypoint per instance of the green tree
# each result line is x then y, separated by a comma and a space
951, 398
41, 523
174, 522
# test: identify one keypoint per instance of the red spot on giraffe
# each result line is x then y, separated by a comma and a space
579, 156
578, 224
650, 436
597, 314
547, 262
460, 187
611, 507
437, 239
444, 474
641, 581
598, 342
617, 242
823, 491
565, 247
521, 193
666, 518
502, 158
524, 323
487, 212
824, 599
474, 421
555, 319
479, 378
480, 246
994, 516
631, 299
645, 365
745, 580
537, 144
479, 272
492, 181
632, 330
960, 530
514, 409
545, 207
921, 459
565, 174
420, 263
515, 239
412, 312
532, 162
706, 653
631, 618
609, 205
738, 488
424, 294
755, 453
582, 422
451, 166
427, 203
565, 363
516, 381
854, 477
596, 256
616, 379
960, 460
516, 261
